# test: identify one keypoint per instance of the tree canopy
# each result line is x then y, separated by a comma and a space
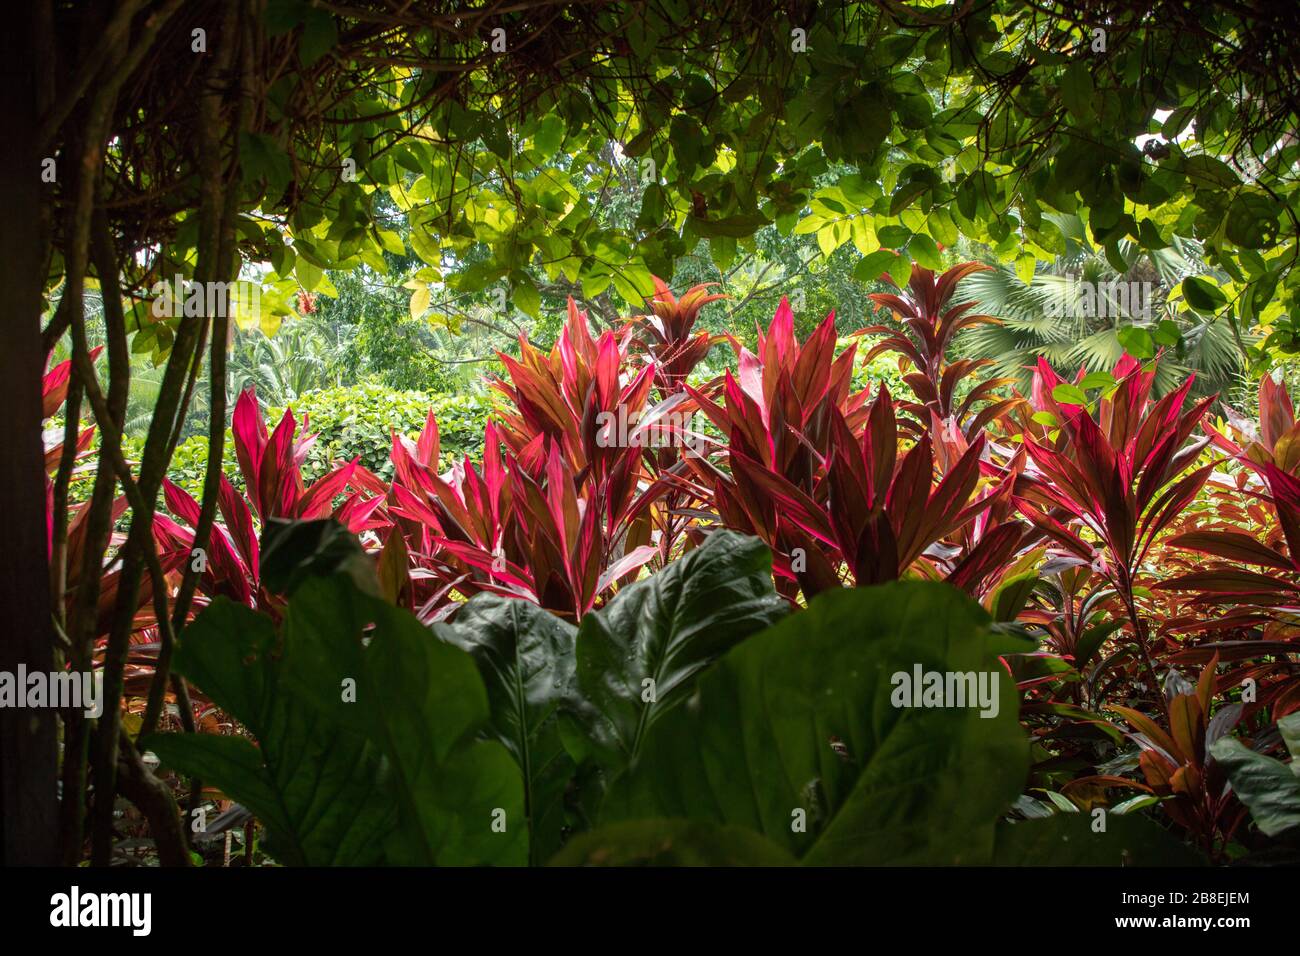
897, 127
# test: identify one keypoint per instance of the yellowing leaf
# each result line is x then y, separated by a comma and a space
1025, 269
864, 235
830, 237
419, 301
392, 242
809, 224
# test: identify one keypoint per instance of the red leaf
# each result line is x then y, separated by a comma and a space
249, 432
1232, 545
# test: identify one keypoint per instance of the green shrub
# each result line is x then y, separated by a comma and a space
882, 368
350, 420
190, 463
356, 420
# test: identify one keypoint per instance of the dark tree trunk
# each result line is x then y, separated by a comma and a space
28, 808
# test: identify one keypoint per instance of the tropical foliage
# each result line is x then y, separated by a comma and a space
582, 586
579, 432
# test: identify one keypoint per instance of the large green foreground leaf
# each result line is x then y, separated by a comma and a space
565, 701
525, 657
354, 681
422, 702
320, 791
795, 729
639, 655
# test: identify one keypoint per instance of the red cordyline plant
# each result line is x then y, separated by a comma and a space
880, 512
144, 637
54, 392
777, 416
816, 472
924, 308
1262, 600
561, 513
1076, 614
1178, 767
1120, 478
544, 537
1272, 451
562, 394
273, 488
673, 345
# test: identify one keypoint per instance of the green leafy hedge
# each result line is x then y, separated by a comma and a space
356, 420
351, 420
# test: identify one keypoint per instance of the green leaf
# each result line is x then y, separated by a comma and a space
1011, 595
863, 232
319, 35
1069, 394
391, 242
1205, 171
293, 551
687, 141
262, 158
1136, 341
653, 204
1251, 221
869, 268
1167, 333
525, 656
1068, 839
809, 224
309, 275
1289, 728
336, 815
1025, 266
829, 237
666, 629
799, 723
526, 296
925, 252
1268, 787
423, 703
1176, 122
637, 292
1077, 89
1092, 639
734, 227
905, 195
900, 269
1203, 296
893, 235
1116, 257
941, 226
549, 135
1097, 380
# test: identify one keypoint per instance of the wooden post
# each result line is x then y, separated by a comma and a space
28, 759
